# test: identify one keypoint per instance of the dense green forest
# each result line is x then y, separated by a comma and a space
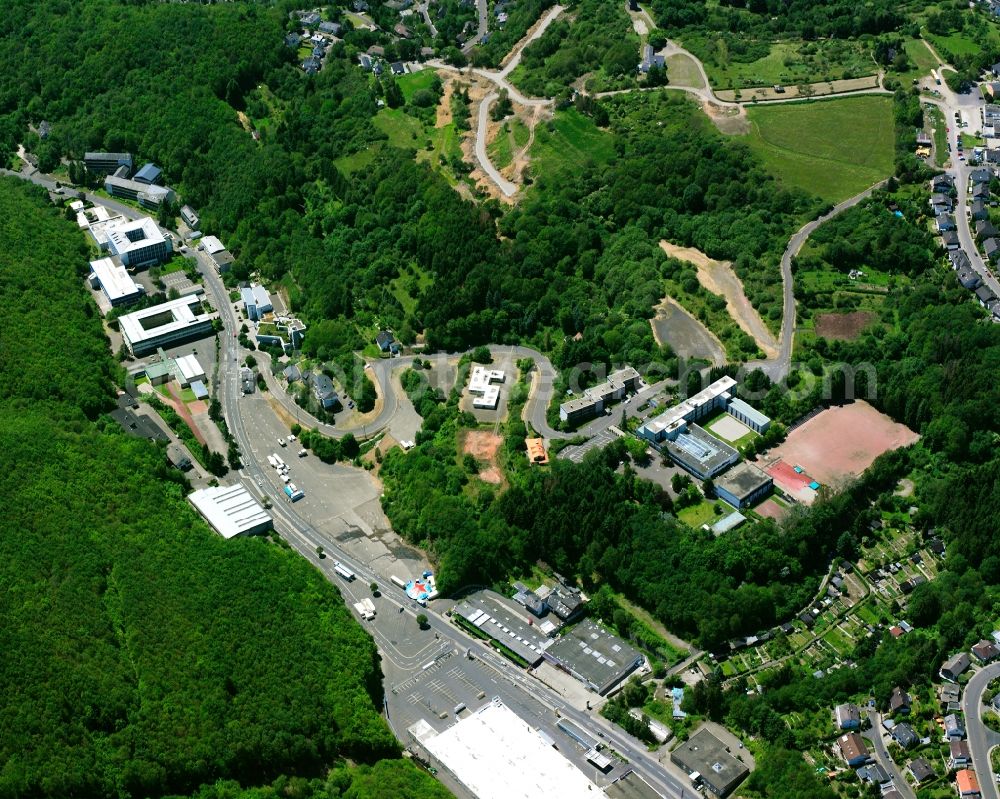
143, 654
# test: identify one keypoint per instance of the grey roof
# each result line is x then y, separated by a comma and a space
595, 656
957, 664
904, 735
292, 373
960, 260
743, 479
700, 452
921, 769
980, 176
504, 622
710, 757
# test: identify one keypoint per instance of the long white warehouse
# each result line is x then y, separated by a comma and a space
498, 755
231, 510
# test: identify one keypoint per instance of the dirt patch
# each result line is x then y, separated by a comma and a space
719, 278
729, 120
280, 411
771, 510
244, 121
685, 335
483, 446
838, 444
444, 116
843, 326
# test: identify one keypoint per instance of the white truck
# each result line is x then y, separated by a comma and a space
343, 571
365, 609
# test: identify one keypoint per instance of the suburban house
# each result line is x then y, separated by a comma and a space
958, 755
955, 666
323, 390
875, 774
954, 726
650, 60
949, 694
848, 716
904, 735
190, 217
985, 651
991, 249
942, 203
980, 175
985, 229
853, 749
899, 702
950, 240
386, 341
921, 769
967, 784
979, 211
292, 39
943, 183
292, 374
945, 222
332, 28
310, 20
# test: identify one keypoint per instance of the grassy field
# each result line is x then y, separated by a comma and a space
403, 130
956, 43
568, 142
940, 134
921, 58
682, 71
786, 63
512, 136
831, 148
405, 286
359, 160
702, 513
413, 82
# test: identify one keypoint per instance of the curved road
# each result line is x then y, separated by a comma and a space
981, 738
874, 734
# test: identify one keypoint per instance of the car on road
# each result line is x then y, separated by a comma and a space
282, 442
291, 438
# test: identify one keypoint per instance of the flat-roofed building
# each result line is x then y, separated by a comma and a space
189, 216
107, 163
596, 398
115, 281
188, 370
138, 243
743, 485
231, 511
212, 245
504, 622
594, 656
164, 325
708, 757
699, 452
486, 395
749, 415
146, 195
495, 754
705, 402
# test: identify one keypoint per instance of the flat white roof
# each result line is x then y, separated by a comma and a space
115, 280
479, 381
180, 316
680, 411
134, 235
231, 510
212, 245
488, 399
497, 755
103, 226
189, 368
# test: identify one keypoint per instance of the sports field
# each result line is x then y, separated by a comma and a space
831, 148
839, 443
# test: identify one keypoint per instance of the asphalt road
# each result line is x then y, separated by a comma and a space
981, 737
874, 734
509, 189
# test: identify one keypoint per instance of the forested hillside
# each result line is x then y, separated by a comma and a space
141, 654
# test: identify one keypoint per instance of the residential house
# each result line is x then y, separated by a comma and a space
949, 693
967, 784
853, 749
942, 203
980, 175
954, 727
995, 702
874, 773
980, 191
991, 249
292, 374
979, 211
950, 240
904, 735
960, 260
986, 230
899, 702
921, 769
651, 59
365, 61
923, 139
402, 31
995, 70
991, 113
985, 651
312, 65
376, 51
955, 666
943, 183
323, 390
847, 716
311, 19
986, 298
332, 28
907, 586
945, 222
386, 341
969, 279
292, 39
959, 755
398, 68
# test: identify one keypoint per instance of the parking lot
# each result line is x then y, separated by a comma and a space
577, 452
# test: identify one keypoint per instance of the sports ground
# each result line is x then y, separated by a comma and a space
834, 447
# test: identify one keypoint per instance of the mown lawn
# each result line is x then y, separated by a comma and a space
831, 148
565, 144
403, 130
702, 513
413, 82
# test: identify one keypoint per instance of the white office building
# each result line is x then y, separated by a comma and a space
256, 301
115, 281
164, 325
486, 395
190, 217
138, 243
231, 511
